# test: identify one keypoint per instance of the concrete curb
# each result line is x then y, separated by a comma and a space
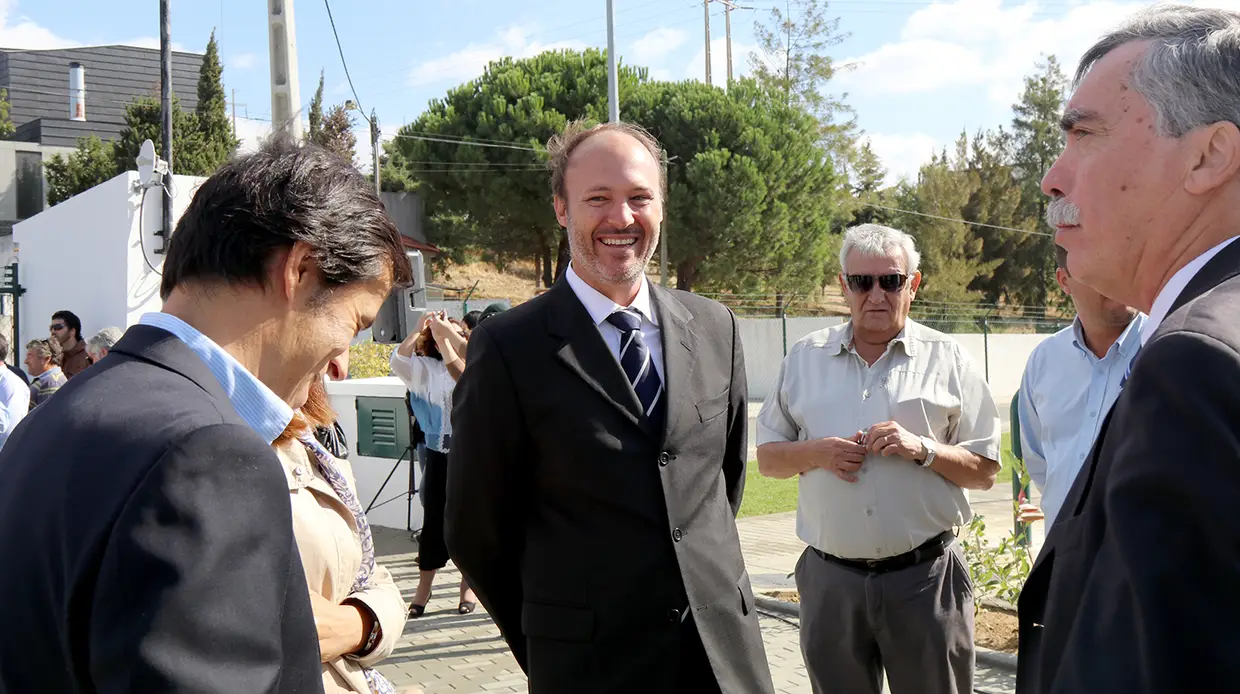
985, 656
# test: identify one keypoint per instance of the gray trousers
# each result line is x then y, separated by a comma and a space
914, 623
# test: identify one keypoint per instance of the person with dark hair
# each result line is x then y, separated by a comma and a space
43, 358
1071, 380
598, 456
14, 395
152, 473
429, 361
66, 327
471, 319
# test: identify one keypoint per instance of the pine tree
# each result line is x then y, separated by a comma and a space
217, 137
337, 135
6, 123
316, 112
93, 163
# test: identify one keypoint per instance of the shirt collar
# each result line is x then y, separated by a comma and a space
265, 412
49, 374
1175, 286
1126, 344
600, 307
843, 339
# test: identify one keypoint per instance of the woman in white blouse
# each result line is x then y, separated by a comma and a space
358, 609
429, 361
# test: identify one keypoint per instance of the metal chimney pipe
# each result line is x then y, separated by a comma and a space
77, 92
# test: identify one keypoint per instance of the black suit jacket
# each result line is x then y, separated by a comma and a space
1137, 588
586, 529
147, 539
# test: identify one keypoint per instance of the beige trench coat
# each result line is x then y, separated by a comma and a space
331, 554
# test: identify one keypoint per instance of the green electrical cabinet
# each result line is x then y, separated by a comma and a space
385, 430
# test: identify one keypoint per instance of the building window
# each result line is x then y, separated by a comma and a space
30, 198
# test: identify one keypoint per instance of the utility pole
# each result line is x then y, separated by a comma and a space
234, 110
374, 146
165, 107
613, 86
285, 90
663, 231
727, 24
706, 9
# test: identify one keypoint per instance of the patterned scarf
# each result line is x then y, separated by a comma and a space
327, 466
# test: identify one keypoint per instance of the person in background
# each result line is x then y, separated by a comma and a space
1071, 380
66, 328
99, 344
14, 395
43, 358
429, 361
358, 609
149, 483
471, 319
885, 423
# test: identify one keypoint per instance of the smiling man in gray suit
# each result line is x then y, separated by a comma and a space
599, 455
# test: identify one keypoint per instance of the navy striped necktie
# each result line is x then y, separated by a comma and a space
637, 363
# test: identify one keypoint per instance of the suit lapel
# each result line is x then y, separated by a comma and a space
585, 354
679, 343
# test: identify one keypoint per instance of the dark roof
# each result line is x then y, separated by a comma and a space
416, 245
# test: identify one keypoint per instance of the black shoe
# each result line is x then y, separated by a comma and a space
416, 610
466, 607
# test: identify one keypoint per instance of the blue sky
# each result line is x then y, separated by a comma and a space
922, 71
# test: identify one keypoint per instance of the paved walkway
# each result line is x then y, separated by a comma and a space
447, 652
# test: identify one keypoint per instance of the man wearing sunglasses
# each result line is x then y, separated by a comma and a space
887, 423
66, 328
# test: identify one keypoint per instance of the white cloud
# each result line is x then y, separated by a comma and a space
153, 43
244, 61
985, 44
652, 48
251, 132
719, 61
22, 32
902, 155
470, 61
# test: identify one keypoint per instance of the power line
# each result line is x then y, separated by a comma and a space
356, 99
962, 221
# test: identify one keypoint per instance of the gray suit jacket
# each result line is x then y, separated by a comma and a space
585, 528
1137, 588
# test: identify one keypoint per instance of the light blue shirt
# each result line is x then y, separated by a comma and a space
264, 411
14, 401
1065, 395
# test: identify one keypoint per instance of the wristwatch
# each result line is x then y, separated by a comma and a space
930, 450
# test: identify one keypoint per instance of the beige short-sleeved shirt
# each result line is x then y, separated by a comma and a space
926, 383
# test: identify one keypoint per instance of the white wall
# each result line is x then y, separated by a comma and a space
85, 255
370, 472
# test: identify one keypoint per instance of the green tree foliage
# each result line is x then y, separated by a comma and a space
493, 194
6, 122
792, 60
316, 112
92, 164
218, 142
142, 122
1037, 143
336, 133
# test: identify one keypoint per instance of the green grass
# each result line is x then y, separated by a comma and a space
764, 495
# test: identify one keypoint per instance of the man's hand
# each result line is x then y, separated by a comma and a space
843, 457
342, 628
889, 438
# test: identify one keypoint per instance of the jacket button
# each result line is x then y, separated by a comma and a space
676, 534
664, 459
673, 615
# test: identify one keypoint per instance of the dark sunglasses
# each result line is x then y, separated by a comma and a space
58, 326
864, 283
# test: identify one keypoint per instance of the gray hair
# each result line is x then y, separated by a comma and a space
877, 241
104, 339
1191, 73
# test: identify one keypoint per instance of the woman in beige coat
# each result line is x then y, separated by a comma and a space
358, 609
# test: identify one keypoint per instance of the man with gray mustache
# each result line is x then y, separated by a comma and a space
1135, 587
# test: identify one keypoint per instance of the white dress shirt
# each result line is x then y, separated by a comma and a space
600, 307
1065, 395
14, 401
1175, 286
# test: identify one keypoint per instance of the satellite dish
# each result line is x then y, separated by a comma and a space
151, 168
